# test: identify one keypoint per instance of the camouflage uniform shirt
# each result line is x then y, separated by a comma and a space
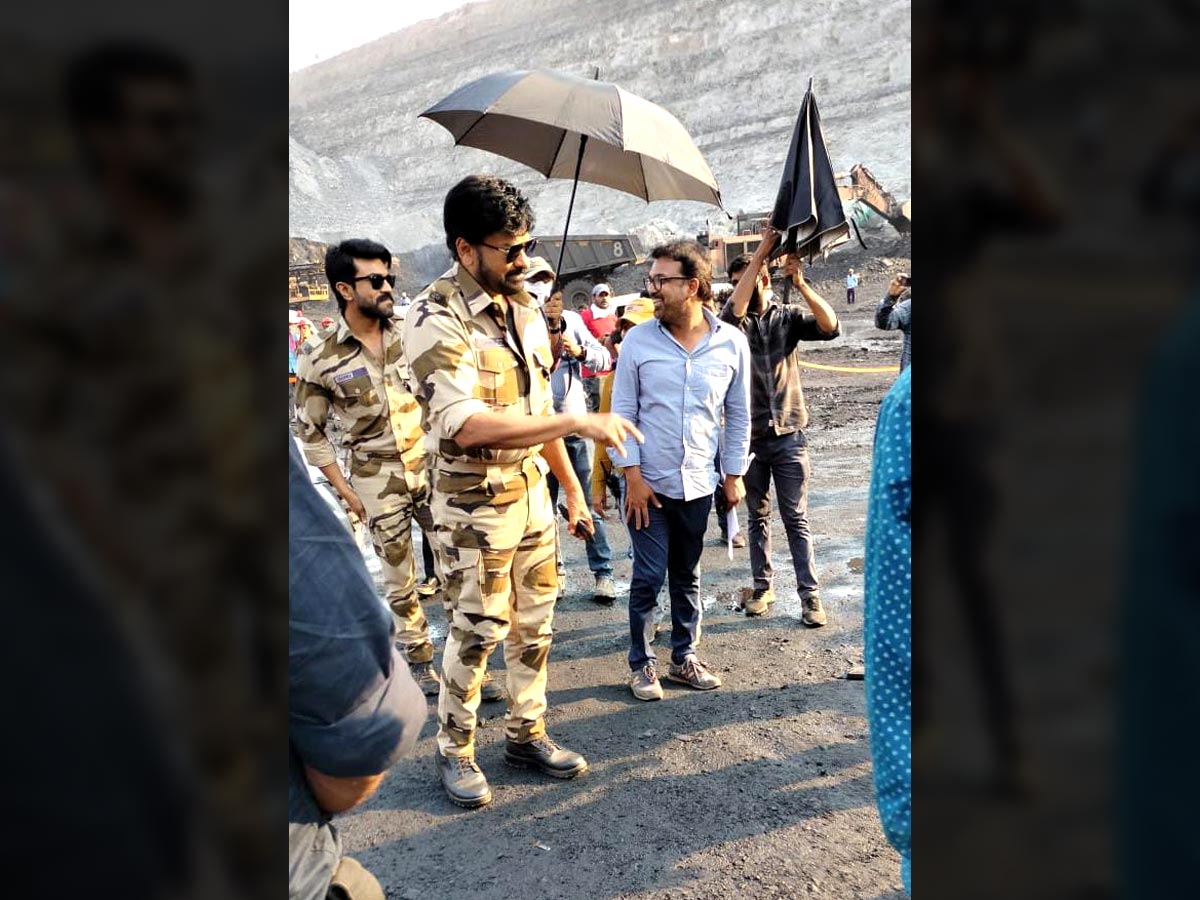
469, 354
374, 403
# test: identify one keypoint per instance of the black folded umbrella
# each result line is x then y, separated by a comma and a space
808, 207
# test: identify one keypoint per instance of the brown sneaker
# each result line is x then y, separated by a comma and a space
694, 674
760, 601
812, 612
645, 684
739, 541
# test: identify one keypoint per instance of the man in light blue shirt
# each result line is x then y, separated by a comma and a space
678, 379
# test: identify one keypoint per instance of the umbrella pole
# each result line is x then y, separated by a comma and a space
570, 206
787, 288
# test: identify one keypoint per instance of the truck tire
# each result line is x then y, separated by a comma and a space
576, 293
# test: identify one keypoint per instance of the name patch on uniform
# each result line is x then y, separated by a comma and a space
346, 376
489, 343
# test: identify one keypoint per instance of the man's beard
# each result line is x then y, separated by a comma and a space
670, 314
375, 310
500, 285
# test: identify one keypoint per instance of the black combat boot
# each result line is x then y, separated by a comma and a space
545, 755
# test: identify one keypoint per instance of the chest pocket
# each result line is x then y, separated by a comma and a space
714, 380
499, 377
358, 392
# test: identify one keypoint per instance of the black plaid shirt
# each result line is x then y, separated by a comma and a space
776, 398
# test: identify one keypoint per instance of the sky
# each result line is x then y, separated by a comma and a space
319, 29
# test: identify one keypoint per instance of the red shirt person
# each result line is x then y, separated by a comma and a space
601, 320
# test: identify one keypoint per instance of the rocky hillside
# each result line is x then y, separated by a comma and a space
302, 251
733, 72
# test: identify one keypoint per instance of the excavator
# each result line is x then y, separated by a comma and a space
856, 185
862, 186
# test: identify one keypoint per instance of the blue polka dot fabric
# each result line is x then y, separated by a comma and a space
887, 626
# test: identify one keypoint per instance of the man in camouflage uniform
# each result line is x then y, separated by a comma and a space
480, 353
359, 371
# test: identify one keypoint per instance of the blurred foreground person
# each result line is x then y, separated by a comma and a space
887, 618
353, 707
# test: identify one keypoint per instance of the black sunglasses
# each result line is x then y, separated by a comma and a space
377, 280
512, 252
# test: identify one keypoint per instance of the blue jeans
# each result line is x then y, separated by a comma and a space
785, 457
598, 553
669, 547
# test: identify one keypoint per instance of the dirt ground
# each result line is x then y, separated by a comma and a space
759, 789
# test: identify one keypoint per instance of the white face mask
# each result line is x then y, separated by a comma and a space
539, 290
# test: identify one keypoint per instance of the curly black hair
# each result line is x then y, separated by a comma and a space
480, 205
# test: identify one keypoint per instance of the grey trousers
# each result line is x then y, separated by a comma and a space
786, 458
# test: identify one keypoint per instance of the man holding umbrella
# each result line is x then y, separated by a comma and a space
480, 351
778, 419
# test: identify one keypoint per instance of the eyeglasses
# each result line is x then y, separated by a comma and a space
655, 282
377, 280
512, 252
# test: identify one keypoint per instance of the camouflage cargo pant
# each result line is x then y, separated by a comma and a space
497, 541
393, 497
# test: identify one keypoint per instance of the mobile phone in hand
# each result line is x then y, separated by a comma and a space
586, 526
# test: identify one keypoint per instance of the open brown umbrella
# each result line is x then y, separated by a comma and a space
566, 126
